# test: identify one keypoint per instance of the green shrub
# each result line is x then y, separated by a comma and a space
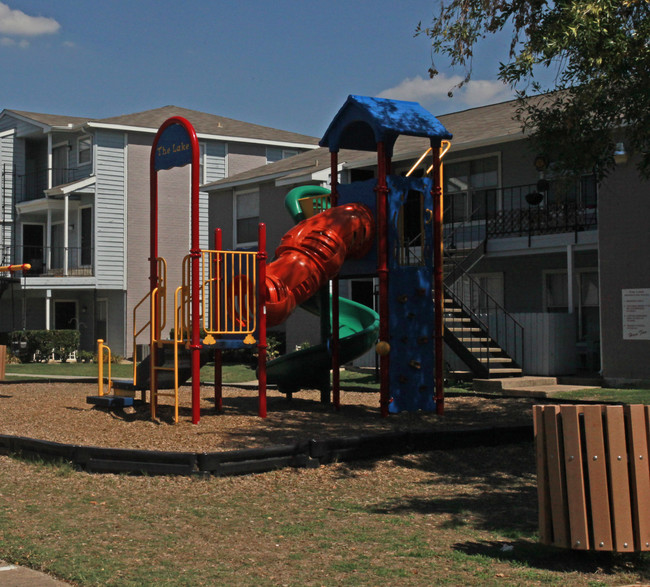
39, 345
85, 356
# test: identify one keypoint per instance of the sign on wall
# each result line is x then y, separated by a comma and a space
636, 314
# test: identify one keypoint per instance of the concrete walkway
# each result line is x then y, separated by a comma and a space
527, 386
13, 576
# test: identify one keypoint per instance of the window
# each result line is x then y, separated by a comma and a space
471, 188
201, 163
247, 217
84, 150
556, 292
274, 154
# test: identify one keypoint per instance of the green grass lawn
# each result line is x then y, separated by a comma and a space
231, 373
238, 373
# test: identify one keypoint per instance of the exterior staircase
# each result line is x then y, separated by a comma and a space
478, 350
489, 342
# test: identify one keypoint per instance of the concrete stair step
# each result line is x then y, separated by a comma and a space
527, 386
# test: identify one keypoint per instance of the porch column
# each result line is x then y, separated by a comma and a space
49, 161
569, 274
48, 308
66, 204
48, 241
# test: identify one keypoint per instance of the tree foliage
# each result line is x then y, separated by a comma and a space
599, 53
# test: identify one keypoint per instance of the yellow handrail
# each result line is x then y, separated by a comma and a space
162, 312
444, 146
100, 366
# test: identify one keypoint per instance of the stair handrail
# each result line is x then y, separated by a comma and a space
493, 305
162, 318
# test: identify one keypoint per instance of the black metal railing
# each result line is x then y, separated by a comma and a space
523, 210
496, 323
31, 186
50, 261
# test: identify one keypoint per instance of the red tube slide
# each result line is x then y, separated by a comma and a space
313, 252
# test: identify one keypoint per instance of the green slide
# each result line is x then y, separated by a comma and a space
358, 329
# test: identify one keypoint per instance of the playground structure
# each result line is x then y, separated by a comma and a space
227, 298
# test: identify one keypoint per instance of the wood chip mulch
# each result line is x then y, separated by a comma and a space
58, 412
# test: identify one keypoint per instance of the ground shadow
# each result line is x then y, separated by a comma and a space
549, 558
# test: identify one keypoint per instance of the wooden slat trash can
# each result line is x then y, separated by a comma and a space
593, 479
3, 361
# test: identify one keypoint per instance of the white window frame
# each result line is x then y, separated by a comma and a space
80, 141
235, 218
203, 150
284, 153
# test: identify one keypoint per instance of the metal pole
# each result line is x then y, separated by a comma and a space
261, 319
438, 278
336, 347
218, 364
195, 259
382, 270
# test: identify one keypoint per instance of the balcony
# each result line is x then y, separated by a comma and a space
525, 210
31, 186
51, 261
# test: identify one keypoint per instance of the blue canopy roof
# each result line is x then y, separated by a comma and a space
362, 122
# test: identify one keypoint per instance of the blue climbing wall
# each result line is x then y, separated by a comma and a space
411, 308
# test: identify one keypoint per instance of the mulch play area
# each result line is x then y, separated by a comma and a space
58, 412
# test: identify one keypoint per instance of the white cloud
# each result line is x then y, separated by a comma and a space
7, 42
17, 23
435, 91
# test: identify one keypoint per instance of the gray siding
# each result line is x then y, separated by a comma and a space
109, 210
624, 264
7, 188
215, 169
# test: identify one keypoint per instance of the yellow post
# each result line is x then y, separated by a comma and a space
100, 360
100, 366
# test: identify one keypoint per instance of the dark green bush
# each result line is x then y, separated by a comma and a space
39, 345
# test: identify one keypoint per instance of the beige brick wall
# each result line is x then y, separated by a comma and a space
173, 229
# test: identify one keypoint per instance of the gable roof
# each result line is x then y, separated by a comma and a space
362, 122
485, 125
207, 124
150, 121
52, 120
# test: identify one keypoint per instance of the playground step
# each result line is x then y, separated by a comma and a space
109, 400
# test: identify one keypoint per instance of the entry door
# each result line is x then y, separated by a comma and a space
33, 246
57, 246
86, 237
65, 315
59, 165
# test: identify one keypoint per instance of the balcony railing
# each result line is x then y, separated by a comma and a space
50, 261
31, 186
525, 210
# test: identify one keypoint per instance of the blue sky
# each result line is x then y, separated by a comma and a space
288, 64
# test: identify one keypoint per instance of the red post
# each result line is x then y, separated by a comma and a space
336, 347
218, 365
438, 280
382, 270
153, 280
261, 318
